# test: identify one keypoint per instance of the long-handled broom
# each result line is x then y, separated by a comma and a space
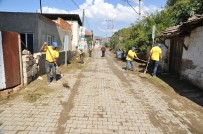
144, 74
146, 66
63, 80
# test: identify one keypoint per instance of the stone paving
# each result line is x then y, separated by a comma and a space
102, 98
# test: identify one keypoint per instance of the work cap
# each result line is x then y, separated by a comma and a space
158, 44
133, 48
55, 44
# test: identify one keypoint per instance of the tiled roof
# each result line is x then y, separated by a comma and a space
184, 28
69, 17
65, 25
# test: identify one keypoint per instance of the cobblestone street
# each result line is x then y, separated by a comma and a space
102, 98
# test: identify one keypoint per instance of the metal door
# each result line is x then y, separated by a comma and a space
11, 59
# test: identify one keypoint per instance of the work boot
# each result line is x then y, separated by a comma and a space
54, 80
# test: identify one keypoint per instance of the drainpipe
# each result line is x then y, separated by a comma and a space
20, 60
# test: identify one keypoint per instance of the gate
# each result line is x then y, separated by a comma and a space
11, 64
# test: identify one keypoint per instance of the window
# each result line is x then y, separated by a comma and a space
27, 41
49, 39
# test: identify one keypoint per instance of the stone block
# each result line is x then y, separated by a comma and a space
35, 66
27, 74
37, 61
34, 61
34, 72
26, 52
27, 69
37, 55
27, 80
28, 63
25, 58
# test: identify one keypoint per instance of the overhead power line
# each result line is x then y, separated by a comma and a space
87, 23
75, 4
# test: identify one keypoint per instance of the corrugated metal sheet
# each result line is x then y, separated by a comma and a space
11, 58
2, 71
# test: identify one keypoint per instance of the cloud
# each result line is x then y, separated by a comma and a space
98, 11
51, 10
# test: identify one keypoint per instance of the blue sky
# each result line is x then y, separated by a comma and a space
97, 12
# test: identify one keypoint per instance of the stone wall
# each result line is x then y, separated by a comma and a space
34, 65
30, 67
192, 59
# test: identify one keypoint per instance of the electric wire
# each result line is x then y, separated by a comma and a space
84, 16
75, 3
88, 23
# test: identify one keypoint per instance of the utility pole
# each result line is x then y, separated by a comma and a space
41, 6
92, 38
112, 25
139, 10
139, 13
83, 17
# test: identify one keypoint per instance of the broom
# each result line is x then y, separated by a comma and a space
63, 80
144, 74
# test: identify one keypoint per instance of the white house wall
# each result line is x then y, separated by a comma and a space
62, 33
75, 33
49, 28
192, 59
2, 71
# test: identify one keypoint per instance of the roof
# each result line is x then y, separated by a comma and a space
185, 28
65, 25
67, 17
87, 33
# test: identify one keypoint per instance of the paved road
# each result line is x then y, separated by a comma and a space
103, 98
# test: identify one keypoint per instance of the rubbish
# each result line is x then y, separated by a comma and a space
40, 78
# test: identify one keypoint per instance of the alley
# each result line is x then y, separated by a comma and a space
102, 98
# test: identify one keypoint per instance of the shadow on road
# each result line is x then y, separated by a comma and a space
184, 88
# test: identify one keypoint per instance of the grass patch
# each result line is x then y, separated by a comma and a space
31, 97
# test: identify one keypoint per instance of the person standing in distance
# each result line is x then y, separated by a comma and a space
103, 49
156, 57
130, 57
51, 56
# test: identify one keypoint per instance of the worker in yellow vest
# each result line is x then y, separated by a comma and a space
130, 57
156, 57
51, 56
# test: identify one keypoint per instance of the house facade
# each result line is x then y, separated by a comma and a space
29, 31
185, 50
33, 28
75, 22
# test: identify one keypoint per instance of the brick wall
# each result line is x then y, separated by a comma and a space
192, 59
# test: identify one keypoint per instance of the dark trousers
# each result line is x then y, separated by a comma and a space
50, 66
90, 53
155, 66
103, 53
82, 57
